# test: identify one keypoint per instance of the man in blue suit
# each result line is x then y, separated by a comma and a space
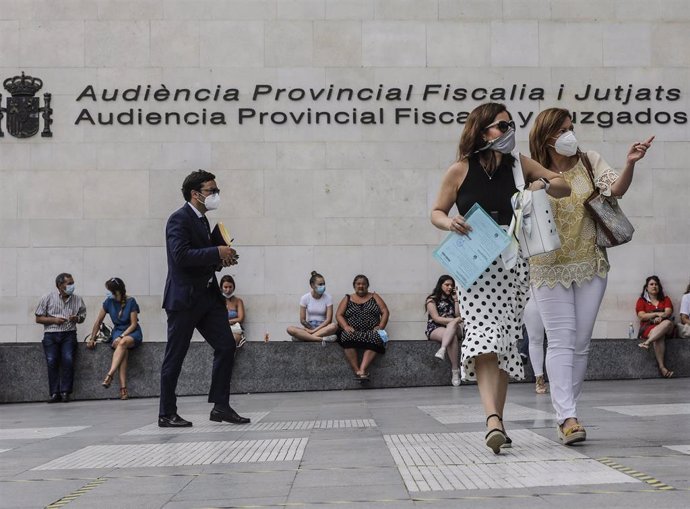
192, 300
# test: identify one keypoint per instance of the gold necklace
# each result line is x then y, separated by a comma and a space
489, 175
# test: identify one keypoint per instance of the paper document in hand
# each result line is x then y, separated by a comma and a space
465, 257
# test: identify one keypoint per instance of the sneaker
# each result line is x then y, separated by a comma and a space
441, 354
455, 380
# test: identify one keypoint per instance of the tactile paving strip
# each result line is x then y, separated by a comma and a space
264, 426
461, 414
37, 433
461, 461
177, 454
201, 425
685, 449
649, 410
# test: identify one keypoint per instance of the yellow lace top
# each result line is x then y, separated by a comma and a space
579, 259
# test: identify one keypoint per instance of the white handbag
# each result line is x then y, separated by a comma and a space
533, 223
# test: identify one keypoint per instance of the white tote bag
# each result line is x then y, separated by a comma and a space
533, 223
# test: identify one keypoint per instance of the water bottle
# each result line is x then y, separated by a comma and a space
631, 331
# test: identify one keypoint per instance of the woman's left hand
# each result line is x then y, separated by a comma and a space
639, 150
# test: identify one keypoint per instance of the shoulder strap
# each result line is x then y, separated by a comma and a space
588, 166
518, 176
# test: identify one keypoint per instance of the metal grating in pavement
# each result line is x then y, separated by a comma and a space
462, 414
37, 433
649, 410
176, 454
685, 449
461, 461
201, 425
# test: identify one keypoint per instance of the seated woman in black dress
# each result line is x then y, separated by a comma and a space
362, 317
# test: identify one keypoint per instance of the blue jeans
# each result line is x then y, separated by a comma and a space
59, 348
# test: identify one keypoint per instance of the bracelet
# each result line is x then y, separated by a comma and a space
547, 184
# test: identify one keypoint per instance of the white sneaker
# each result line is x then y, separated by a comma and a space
330, 339
441, 354
455, 380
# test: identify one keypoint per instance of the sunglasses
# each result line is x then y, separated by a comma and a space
502, 125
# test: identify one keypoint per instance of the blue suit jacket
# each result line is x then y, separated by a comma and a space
192, 260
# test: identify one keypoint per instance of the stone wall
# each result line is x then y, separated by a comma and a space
286, 366
340, 199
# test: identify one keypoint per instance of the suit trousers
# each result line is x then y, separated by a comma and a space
209, 316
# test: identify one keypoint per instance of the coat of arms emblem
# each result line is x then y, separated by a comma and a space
23, 109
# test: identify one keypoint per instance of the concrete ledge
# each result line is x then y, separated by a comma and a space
288, 366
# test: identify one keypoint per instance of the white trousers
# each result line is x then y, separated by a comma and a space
569, 315
535, 334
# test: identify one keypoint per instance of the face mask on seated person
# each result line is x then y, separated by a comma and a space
320, 289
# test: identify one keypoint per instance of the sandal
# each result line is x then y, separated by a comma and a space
496, 437
107, 381
123, 393
573, 434
540, 385
666, 373
362, 377
644, 345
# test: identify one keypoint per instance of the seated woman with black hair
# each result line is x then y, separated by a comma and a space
654, 309
126, 335
235, 308
362, 317
444, 324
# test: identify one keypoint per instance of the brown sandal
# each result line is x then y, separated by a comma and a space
107, 381
123, 393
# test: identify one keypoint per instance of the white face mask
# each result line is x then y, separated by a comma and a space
566, 144
212, 202
227, 295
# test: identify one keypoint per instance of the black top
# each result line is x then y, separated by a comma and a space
493, 194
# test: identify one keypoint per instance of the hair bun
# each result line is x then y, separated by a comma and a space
314, 273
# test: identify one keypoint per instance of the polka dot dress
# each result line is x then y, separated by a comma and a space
492, 309
363, 318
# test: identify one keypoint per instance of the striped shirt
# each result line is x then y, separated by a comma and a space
52, 304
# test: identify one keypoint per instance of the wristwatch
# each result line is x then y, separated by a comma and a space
547, 184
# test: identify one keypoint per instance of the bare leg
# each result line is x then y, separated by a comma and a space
328, 330
490, 387
120, 351
367, 357
657, 333
301, 334
450, 341
123, 369
351, 356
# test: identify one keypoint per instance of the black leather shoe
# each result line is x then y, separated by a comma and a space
65, 397
172, 421
227, 414
54, 398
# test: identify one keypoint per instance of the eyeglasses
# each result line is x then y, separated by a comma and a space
215, 190
502, 125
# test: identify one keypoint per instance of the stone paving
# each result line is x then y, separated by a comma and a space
376, 448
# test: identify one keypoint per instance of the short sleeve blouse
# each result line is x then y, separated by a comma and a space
579, 259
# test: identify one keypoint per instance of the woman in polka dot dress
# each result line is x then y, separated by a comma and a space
362, 317
492, 307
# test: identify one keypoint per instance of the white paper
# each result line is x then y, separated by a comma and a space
465, 257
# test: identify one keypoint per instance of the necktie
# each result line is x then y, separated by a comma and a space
207, 224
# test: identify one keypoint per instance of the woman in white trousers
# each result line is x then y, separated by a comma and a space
569, 283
